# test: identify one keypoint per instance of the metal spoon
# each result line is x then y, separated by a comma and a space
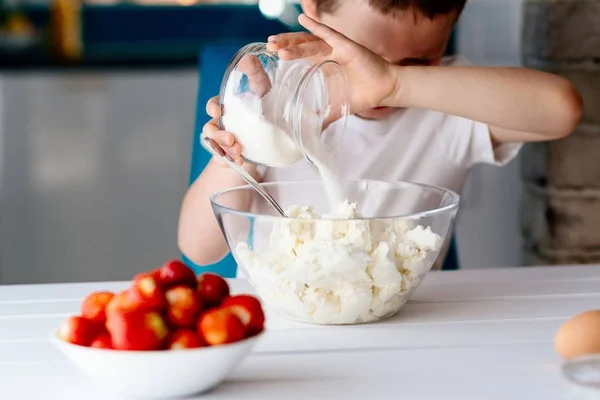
215, 149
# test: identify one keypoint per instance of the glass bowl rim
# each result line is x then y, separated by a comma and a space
393, 184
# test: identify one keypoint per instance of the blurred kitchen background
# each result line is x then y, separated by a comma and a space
97, 114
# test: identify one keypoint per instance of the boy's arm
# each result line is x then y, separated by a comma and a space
199, 236
519, 105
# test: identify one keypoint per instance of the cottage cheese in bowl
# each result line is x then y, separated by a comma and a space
338, 268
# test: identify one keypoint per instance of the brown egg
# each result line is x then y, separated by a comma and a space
579, 336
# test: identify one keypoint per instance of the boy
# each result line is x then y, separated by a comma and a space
417, 117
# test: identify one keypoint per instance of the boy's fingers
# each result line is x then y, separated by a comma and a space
259, 81
210, 127
224, 139
234, 151
332, 37
304, 50
250, 65
212, 107
284, 40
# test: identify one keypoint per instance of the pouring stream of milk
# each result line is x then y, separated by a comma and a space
332, 183
264, 142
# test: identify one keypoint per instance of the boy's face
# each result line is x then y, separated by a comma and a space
408, 38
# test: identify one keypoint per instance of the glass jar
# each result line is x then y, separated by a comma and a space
283, 111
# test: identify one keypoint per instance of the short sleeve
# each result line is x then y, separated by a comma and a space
482, 150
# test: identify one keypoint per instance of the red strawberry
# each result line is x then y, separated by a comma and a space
120, 302
78, 330
249, 311
220, 326
174, 272
212, 289
184, 339
93, 306
146, 292
137, 330
102, 341
156, 274
184, 306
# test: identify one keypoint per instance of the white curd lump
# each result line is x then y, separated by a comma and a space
339, 269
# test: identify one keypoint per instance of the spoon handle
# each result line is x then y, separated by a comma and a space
215, 149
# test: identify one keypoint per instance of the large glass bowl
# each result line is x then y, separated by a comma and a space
334, 270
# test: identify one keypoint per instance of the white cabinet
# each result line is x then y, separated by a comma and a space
93, 170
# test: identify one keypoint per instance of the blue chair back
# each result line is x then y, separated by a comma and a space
213, 62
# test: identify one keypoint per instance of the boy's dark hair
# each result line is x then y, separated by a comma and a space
429, 8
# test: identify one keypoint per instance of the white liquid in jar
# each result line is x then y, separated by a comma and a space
261, 141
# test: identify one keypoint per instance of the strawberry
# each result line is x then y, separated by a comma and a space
102, 341
184, 306
139, 329
249, 311
156, 275
120, 302
146, 292
184, 339
78, 330
174, 272
220, 326
94, 305
212, 289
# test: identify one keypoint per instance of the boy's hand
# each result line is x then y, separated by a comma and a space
258, 80
259, 85
372, 79
223, 138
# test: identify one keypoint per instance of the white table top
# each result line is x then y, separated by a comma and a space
478, 334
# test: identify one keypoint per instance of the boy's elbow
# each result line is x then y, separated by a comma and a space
572, 109
200, 255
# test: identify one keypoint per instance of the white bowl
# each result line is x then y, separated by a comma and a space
157, 374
